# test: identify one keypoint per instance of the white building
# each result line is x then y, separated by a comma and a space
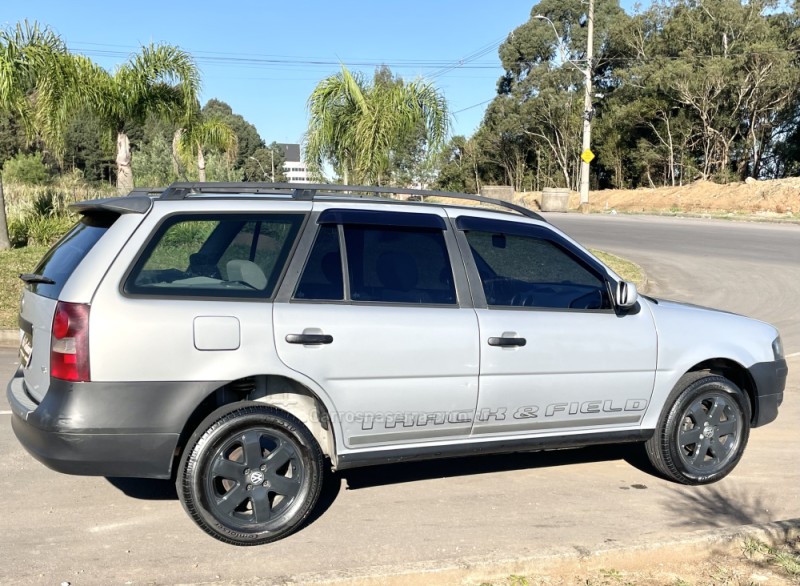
293, 166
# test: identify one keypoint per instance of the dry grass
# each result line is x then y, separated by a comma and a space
624, 268
757, 564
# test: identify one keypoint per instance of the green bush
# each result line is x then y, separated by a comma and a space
49, 202
26, 169
152, 164
35, 230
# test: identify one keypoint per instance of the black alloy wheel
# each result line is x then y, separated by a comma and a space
702, 435
251, 474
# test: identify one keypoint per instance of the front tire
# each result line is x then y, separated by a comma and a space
702, 435
251, 474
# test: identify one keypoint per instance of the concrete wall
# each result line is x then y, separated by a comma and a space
503, 192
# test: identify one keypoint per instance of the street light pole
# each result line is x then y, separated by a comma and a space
263, 173
272, 158
587, 111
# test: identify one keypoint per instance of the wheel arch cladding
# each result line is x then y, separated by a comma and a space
281, 392
737, 374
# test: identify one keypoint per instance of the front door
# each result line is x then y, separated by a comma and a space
555, 356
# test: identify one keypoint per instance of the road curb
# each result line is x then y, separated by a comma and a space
694, 546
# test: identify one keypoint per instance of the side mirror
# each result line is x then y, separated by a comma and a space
626, 295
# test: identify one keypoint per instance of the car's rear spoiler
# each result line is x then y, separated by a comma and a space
131, 204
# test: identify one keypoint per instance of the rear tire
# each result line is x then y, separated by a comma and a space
250, 474
702, 434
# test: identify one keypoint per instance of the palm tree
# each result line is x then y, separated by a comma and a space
355, 126
161, 80
202, 133
42, 85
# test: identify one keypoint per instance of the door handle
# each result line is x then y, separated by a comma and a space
309, 339
507, 341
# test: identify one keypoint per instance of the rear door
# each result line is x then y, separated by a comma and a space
189, 297
375, 319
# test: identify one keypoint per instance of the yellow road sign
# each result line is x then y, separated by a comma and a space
587, 156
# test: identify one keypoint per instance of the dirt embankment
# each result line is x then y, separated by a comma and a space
779, 198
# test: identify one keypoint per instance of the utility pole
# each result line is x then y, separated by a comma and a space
272, 157
586, 152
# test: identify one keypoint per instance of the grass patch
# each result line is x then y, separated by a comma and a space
12, 263
624, 268
785, 557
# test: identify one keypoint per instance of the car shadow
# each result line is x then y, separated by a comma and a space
146, 489
149, 489
382, 475
399, 473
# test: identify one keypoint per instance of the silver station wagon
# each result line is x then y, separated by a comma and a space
243, 339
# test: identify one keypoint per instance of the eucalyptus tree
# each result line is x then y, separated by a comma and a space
355, 125
724, 79
544, 61
159, 79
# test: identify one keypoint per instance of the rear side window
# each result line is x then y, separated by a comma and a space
389, 264
64, 257
398, 265
216, 256
322, 277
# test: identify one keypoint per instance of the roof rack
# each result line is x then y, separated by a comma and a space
312, 190
146, 191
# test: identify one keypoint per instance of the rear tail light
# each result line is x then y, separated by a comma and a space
69, 345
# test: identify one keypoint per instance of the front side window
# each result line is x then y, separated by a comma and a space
522, 271
216, 256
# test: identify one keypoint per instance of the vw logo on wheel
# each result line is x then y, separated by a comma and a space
256, 477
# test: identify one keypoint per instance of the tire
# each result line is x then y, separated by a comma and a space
250, 474
703, 432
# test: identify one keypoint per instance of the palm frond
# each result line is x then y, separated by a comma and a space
210, 133
355, 126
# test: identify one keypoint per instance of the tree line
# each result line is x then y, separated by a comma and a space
61, 113
684, 90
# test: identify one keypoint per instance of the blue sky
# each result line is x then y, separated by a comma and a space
264, 58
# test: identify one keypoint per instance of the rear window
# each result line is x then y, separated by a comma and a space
61, 260
216, 255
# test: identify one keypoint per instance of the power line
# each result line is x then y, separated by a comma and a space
473, 106
477, 54
282, 61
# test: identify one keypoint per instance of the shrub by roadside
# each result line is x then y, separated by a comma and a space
12, 263
38, 215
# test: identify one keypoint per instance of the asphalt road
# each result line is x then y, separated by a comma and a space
58, 528
747, 268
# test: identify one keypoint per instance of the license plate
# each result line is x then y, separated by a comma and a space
25, 349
